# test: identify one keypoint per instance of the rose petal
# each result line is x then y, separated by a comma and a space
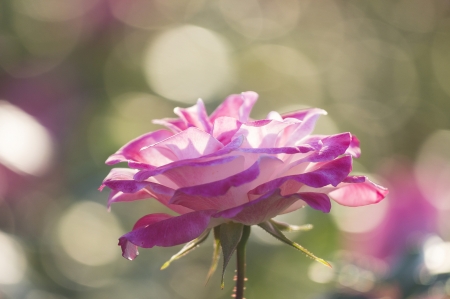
198, 173
121, 182
358, 194
331, 147
176, 125
191, 143
237, 106
166, 231
121, 179
308, 118
119, 196
332, 172
354, 148
304, 113
131, 150
263, 133
229, 192
225, 128
233, 145
271, 205
195, 116
129, 250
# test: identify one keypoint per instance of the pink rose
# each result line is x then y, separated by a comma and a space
227, 168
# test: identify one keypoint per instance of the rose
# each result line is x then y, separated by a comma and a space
227, 168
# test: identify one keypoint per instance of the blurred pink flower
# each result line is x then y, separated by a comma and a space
408, 220
228, 168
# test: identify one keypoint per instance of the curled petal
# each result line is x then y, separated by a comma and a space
330, 147
271, 205
131, 150
263, 133
124, 188
225, 193
191, 143
308, 118
195, 116
119, 196
354, 148
330, 173
176, 125
304, 114
121, 179
225, 128
129, 250
232, 146
205, 172
165, 231
356, 193
238, 106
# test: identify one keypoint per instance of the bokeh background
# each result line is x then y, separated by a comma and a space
79, 78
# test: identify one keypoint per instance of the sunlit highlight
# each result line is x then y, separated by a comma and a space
26, 144
12, 260
87, 233
188, 62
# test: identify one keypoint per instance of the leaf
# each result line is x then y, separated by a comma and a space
216, 253
187, 248
230, 235
285, 227
269, 227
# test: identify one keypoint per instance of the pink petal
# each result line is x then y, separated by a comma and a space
130, 151
176, 125
304, 114
195, 116
354, 148
331, 147
150, 219
198, 173
119, 196
308, 118
332, 172
232, 146
121, 179
237, 106
129, 250
271, 205
225, 128
228, 192
317, 201
358, 193
263, 133
165, 231
258, 210
191, 143
278, 150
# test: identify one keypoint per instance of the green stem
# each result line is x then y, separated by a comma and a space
240, 279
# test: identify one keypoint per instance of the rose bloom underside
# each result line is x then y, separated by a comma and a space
227, 167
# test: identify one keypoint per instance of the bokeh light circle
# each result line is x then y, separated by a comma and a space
54, 10
261, 18
432, 169
12, 260
89, 234
359, 219
188, 62
30, 147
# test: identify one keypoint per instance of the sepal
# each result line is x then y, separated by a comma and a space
230, 235
187, 248
216, 253
286, 227
272, 229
